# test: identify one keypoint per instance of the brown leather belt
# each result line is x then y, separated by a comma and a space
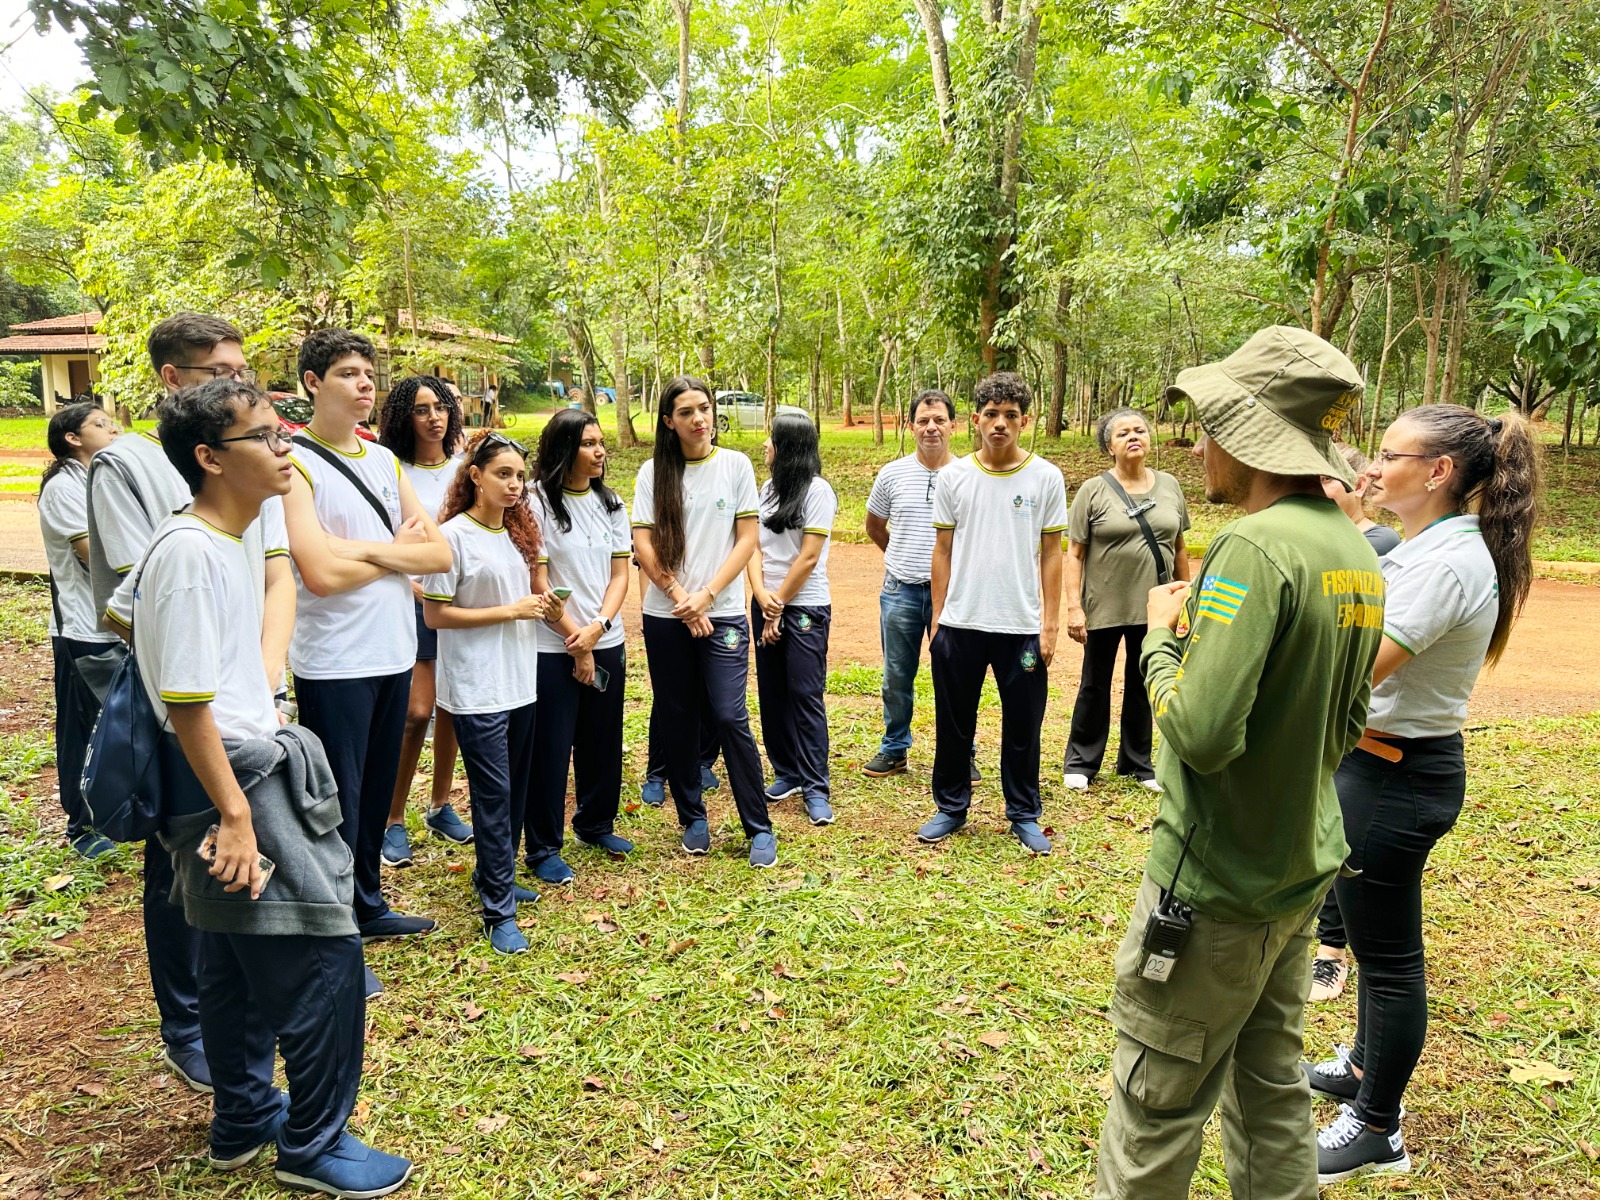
1372, 745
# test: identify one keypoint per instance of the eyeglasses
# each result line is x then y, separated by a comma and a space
933, 482
1389, 456
429, 410
500, 439
272, 439
237, 374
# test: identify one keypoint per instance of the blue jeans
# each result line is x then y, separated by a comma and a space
905, 611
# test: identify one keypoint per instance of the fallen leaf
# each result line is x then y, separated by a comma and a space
92, 1089
994, 1039
744, 1025
457, 867
1586, 883
1104, 1086
714, 922
594, 916
591, 1178
161, 1082
679, 946
605, 927
21, 969
1036, 1157
776, 1013
976, 1134
1589, 1150
783, 972
56, 882
573, 977
1533, 1070
533, 1051
594, 1083
817, 1169
472, 1011
768, 996
453, 1150
361, 1112
659, 1145
491, 1124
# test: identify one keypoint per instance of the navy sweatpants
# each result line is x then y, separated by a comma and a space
303, 996
361, 723
497, 752
961, 658
710, 747
173, 948
715, 670
580, 725
791, 679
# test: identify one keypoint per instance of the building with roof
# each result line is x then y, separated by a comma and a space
68, 350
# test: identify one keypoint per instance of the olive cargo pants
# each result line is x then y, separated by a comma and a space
1227, 1025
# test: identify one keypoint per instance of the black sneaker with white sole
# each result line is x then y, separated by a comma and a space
1334, 1078
1350, 1147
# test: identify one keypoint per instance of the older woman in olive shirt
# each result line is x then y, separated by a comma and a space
1111, 567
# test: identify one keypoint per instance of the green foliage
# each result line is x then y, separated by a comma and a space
19, 384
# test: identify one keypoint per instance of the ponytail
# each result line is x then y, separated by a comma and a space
68, 419
1496, 476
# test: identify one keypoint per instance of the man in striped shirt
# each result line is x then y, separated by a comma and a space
900, 523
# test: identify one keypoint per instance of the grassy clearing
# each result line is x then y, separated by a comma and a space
876, 1018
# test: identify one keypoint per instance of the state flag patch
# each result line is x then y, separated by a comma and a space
1220, 599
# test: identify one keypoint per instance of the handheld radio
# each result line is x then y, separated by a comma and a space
1168, 927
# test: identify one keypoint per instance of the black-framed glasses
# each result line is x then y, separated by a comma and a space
933, 482
237, 374
1389, 456
272, 439
500, 439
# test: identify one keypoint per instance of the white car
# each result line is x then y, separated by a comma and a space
747, 410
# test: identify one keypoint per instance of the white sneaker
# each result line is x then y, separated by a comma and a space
1078, 783
1152, 785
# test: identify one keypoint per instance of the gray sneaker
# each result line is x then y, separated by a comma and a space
1333, 1078
1349, 1147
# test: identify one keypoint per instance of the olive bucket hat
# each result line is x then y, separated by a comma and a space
1277, 402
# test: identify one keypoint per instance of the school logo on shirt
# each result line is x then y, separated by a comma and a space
1220, 599
721, 503
1023, 505
730, 637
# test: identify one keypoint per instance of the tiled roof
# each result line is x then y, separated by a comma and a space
74, 323
445, 329
60, 343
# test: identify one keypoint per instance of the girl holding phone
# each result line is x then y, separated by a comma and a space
486, 613
581, 664
694, 529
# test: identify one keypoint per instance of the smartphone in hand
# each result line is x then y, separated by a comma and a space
208, 853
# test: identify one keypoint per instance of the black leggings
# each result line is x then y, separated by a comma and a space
1393, 815
1091, 713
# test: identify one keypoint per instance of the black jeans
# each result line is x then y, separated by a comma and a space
961, 658
1393, 815
1091, 714
578, 727
1330, 922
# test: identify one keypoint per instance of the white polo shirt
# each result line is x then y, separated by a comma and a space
718, 489
493, 668
999, 518
63, 522
371, 631
580, 558
432, 483
779, 550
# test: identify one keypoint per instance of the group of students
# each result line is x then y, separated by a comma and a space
429, 578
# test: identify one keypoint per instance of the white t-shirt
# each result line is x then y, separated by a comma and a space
197, 627
64, 521
580, 558
1441, 601
718, 489
493, 668
902, 495
372, 630
779, 550
432, 483
999, 520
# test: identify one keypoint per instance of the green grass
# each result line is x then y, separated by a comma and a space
24, 613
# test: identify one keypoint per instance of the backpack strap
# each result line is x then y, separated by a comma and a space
334, 461
1137, 511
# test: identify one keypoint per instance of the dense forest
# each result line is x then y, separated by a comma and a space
835, 202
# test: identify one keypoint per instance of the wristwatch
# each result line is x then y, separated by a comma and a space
605, 623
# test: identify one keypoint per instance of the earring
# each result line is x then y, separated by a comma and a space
1431, 485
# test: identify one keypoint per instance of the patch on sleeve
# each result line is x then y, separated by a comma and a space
1220, 599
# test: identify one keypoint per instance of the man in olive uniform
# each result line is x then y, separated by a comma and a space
1259, 677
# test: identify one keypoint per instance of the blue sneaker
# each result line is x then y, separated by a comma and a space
708, 780
819, 811
505, 937
351, 1170
1031, 836
231, 1158
939, 827
609, 842
697, 838
444, 823
188, 1063
654, 791
553, 870
519, 894
396, 850
92, 845
371, 984
395, 925
782, 790
763, 851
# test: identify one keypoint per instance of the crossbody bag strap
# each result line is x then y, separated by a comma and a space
1137, 511
333, 460
100, 463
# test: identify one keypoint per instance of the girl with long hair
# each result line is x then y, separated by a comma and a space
421, 423
1466, 490
74, 435
694, 529
581, 662
485, 610
792, 610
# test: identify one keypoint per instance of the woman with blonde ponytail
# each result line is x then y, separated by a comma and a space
1466, 489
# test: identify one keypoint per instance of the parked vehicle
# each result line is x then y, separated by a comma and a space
295, 413
747, 410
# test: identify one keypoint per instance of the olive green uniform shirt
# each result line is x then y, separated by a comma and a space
1258, 696
1119, 570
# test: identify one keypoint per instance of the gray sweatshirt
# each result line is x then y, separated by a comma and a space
294, 809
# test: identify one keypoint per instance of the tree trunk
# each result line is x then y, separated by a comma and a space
1458, 332
877, 396
619, 346
844, 359
680, 9
1058, 374
932, 15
